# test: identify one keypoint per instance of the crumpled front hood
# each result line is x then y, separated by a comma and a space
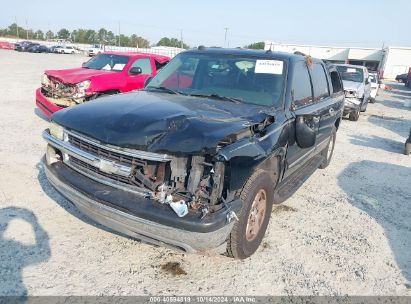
160, 122
353, 86
73, 76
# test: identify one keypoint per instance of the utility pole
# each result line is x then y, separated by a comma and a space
17, 27
119, 43
225, 36
27, 30
181, 39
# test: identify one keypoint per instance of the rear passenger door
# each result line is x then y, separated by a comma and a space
324, 103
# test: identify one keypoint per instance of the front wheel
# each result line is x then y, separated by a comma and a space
364, 105
248, 232
354, 115
329, 150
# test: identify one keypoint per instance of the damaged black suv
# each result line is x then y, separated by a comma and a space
196, 160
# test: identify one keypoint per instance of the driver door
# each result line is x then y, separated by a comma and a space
303, 110
136, 81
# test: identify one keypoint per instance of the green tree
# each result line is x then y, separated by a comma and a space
256, 46
173, 42
137, 41
49, 35
39, 35
102, 35
90, 36
13, 30
63, 33
110, 38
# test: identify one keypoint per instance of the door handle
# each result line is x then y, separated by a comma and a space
332, 112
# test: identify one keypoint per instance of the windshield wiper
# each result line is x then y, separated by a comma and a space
220, 97
167, 90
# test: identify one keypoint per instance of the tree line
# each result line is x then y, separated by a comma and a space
87, 36
102, 36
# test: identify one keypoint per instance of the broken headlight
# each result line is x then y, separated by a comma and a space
56, 131
45, 80
81, 88
84, 85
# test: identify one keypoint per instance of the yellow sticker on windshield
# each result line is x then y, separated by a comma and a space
269, 67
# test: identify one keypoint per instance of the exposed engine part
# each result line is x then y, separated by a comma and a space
178, 168
196, 173
162, 193
217, 184
204, 211
231, 215
180, 208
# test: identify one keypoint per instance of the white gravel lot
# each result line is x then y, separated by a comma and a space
347, 231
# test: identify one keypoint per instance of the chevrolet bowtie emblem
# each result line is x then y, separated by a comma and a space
107, 166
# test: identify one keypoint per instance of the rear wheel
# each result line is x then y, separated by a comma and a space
354, 115
329, 150
248, 232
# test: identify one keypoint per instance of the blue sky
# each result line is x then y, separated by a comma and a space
366, 23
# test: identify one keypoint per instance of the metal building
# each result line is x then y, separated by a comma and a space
388, 61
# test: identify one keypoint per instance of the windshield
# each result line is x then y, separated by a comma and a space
107, 62
351, 73
230, 77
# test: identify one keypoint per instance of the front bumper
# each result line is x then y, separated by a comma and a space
140, 217
351, 105
46, 106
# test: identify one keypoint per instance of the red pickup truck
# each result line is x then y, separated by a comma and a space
105, 74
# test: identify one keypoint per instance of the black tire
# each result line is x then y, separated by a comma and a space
354, 115
364, 105
372, 100
328, 153
407, 149
241, 245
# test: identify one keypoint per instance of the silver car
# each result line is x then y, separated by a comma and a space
357, 88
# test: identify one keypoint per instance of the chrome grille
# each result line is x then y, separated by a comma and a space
83, 165
105, 153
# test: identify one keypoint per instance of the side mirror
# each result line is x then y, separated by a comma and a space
135, 71
305, 135
379, 81
147, 81
367, 81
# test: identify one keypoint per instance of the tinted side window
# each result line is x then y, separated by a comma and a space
320, 83
336, 81
301, 92
159, 65
144, 64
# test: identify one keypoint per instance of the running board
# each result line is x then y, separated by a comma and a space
290, 185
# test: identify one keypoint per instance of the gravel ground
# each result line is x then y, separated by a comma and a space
346, 231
